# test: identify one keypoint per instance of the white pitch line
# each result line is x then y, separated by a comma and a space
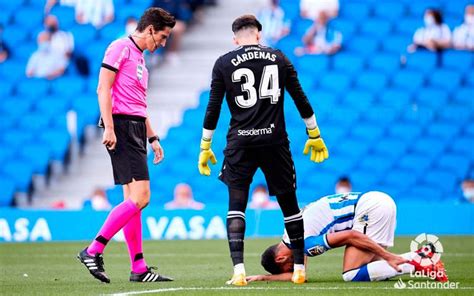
164, 290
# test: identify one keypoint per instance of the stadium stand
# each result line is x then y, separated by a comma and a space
404, 129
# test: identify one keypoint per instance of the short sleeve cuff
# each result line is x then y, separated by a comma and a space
109, 67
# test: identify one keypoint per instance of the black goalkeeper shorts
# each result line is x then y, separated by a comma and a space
129, 158
276, 163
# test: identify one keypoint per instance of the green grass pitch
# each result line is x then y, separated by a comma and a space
201, 268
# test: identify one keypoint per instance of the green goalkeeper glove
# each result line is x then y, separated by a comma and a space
206, 155
319, 151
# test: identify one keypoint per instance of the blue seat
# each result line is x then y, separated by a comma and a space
417, 8
20, 172
457, 164
464, 96
390, 148
11, 5
37, 155
408, 80
386, 63
376, 164
469, 79
52, 105
66, 16
312, 64
422, 60
33, 87
337, 82
87, 108
15, 35
288, 44
445, 79
291, 11
68, 86
34, 122
357, 11
458, 60
307, 81
391, 10
399, 179
456, 114
301, 26
363, 180
84, 35
112, 31
444, 181
13, 71
395, 98
463, 145
340, 165
378, 28
396, 44
404, 131
6, 89
8, 189
408, 26
358, 99
353, 147
28, 18
371, 81
6, 153
429, 146
345, 26
322, 100
15, 106
362, 45
444, 131
343, 117
367, 132
455, 8
16, 138
24, 51
415, 163
380, 115
431, 97
58, 140
348, 63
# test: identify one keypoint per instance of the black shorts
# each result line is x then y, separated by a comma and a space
129, 159
276, 163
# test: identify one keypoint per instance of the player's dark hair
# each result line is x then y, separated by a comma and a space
437, 16
344, 179
268, 260
246, 21
158, 17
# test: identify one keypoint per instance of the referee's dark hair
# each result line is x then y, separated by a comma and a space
246, 21
158, 17
268, 260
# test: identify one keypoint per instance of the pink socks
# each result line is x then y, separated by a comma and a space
117, 219
133, 235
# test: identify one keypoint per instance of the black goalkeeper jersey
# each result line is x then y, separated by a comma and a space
253, 79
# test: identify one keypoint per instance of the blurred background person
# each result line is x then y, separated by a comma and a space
320, 38
463, 35
46, 62
261, 199
51, 3
343, 185
274, 24
4, 49
98, 201
130, 26
311, 9
183, 199
96, 12
434, 35
61, 42
467, 187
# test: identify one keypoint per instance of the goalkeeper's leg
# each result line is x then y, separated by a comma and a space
295, 229
235, 233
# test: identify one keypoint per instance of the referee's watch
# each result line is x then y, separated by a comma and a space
153, 139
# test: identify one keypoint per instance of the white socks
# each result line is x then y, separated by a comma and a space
298, 267
239, 268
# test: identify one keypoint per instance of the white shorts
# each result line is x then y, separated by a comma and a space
376, 216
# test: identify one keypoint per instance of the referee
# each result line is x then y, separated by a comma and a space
253, 79
122, 91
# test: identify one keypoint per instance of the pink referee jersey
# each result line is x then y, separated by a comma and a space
125, 58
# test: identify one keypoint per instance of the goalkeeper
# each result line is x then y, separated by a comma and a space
253, 78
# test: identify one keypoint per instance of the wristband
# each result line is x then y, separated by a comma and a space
153, 139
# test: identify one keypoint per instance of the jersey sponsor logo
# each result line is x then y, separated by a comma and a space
257, 132
251, 56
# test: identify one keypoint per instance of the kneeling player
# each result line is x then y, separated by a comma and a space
364, 224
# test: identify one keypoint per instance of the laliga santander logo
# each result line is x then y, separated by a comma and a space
428, 249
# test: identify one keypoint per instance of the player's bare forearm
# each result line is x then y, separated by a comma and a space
282, 277
149, 129
106, 80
